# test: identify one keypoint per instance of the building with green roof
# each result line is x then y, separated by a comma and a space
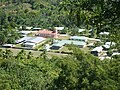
61, 43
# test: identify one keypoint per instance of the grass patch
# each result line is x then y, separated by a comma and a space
63, 37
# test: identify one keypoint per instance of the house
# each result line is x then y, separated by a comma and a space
8, 45
104, 33
61, 43
36, 29
59, 28
96, 51
81, 30
30, 42
93, 39
21, 40
115, 53
25, 33
58, 45
29, 45
28, 28
33, 42
47, 34
79, 38
108, 45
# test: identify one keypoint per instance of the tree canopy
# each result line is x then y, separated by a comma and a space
79, 71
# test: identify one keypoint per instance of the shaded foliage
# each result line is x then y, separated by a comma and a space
79, 71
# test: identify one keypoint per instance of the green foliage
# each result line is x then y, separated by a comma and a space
76, 71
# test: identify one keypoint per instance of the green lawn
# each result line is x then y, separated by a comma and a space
35, 53
63, 37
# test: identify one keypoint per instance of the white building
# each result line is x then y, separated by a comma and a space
96, 51
104, 33
8, 45
59, 28
36, 28
81, 30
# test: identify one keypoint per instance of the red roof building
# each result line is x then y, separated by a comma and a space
47, 34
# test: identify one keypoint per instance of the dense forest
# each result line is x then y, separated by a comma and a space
77, 71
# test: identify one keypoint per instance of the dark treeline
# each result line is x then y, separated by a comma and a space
36, 13
80, 71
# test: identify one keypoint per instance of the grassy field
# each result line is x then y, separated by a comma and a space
35, 53
63, 37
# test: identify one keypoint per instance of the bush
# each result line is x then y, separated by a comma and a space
109, 53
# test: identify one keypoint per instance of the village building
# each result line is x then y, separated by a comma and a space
27, 28
33, 42
81, 30
8, 45
97, 51
61, 43
48, 34
59, 28
79, 38
22, 40
25, 33
30, 42
104, 33
36, 29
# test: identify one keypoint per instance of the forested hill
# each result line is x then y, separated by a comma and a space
79, 71
42, 13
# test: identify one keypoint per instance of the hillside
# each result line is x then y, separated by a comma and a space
32, 13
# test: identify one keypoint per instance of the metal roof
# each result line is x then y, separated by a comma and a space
31, 39
35, 39
63, 42
98, 49
22, 39
104, 33
59, 28
78, 37
81, 30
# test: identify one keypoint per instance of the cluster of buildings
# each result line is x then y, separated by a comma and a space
40, 36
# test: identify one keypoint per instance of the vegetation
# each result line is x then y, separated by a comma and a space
78, 71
